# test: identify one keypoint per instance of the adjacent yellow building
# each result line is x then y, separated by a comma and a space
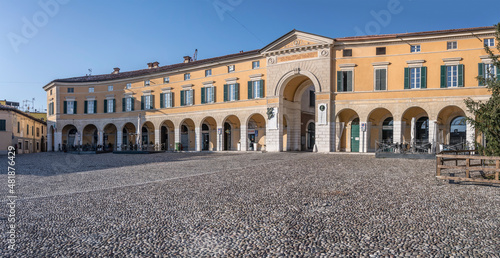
301, 92
21, 130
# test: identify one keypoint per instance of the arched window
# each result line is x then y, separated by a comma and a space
422, 130
458, 130
387, 130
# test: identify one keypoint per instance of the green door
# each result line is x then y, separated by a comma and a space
355, 137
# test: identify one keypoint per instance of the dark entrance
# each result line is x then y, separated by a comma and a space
205, 137
387, 130
458, 130
227, 136
311, 135
422, 127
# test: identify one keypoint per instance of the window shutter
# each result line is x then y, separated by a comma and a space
480, 73
172, 99
237, 91
132, 105
261, 85
162, 100
213, 94
225, 92
203, 91
183, 92
114, 105
74, 107
423, 77
443, 76
498, 72
85, 107
339, 81
152, 102
383, 79
377, 79
95, 106
349, 80
250, 92
407, 77
105, 106
124, 104
461, 75
192, 97
65, 107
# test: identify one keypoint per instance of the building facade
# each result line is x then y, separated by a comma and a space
300, 92
21, 130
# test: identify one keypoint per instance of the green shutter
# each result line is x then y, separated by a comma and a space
124, 104
443, 76
2, 125
377, 79
225, 93
250, 92
74, 107
132, 106
383, 79
261, 86
105, 106
213, 94
183, 92
498, 72
142, 102
480, 73
95, 106
349, 80
237, 91
407, 77
162, 99
172, 99
423, 77
65, 107
114, 105
85, 107
460, 75
339, 81
192, 97
203, 91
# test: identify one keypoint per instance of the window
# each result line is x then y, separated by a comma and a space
231, 92
187, 97
166, 101
208, 94
3, 123
147, 102
50, 92
33, 130
381, 79
415, 48
51, 108
230, 69
451, 45
415, 77
128, 103
147, 82
129, 85
344, 81
27, 129
347, 52
452, 76
18, 127
255, 64
489, 42
71, 90
110, 88
91, 89
187, 76
489, 71
312, 98
208, 72
38, 132
255, 89
69, 107
380, 51
109, 105
166, 80
91, 107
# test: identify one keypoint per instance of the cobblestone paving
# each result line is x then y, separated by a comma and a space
230, 204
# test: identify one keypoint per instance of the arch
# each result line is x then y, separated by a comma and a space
287, 77
380, 127
444, 120
256, 131
167, 135
129, 136
231, 135
110, 137
346, 137
187, 135
421, 129
90, 137
148, 136
208, 132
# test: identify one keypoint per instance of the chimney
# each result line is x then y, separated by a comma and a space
150, 65
115, 70
156, 64
187, 59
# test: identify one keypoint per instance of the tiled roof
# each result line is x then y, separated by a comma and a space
130, 74
9, 108
411, 34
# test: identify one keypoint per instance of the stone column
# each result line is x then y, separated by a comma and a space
220, 138
433, 131
198, 138
244, 137
119, 140
274, 132
49, 141
57, 141
157, 140
470, 135
177, 137
333, 136
397, 131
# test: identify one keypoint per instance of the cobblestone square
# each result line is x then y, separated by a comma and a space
245, 204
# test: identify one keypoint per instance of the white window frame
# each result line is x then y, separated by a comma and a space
415, 49
167, 100
231, 92
70, 107
415, 77
90, 106
231, 68
188, 98
490, 71
91, 89
375, 78
489, 42
255, 64
128, 104
147, 83
147, 101
129, 85
110, 105
256, 90
208, 72
209, 93
452, 76
110, 88
451, 45
71, 90
187, 76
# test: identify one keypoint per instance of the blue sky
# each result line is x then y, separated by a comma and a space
41, 41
